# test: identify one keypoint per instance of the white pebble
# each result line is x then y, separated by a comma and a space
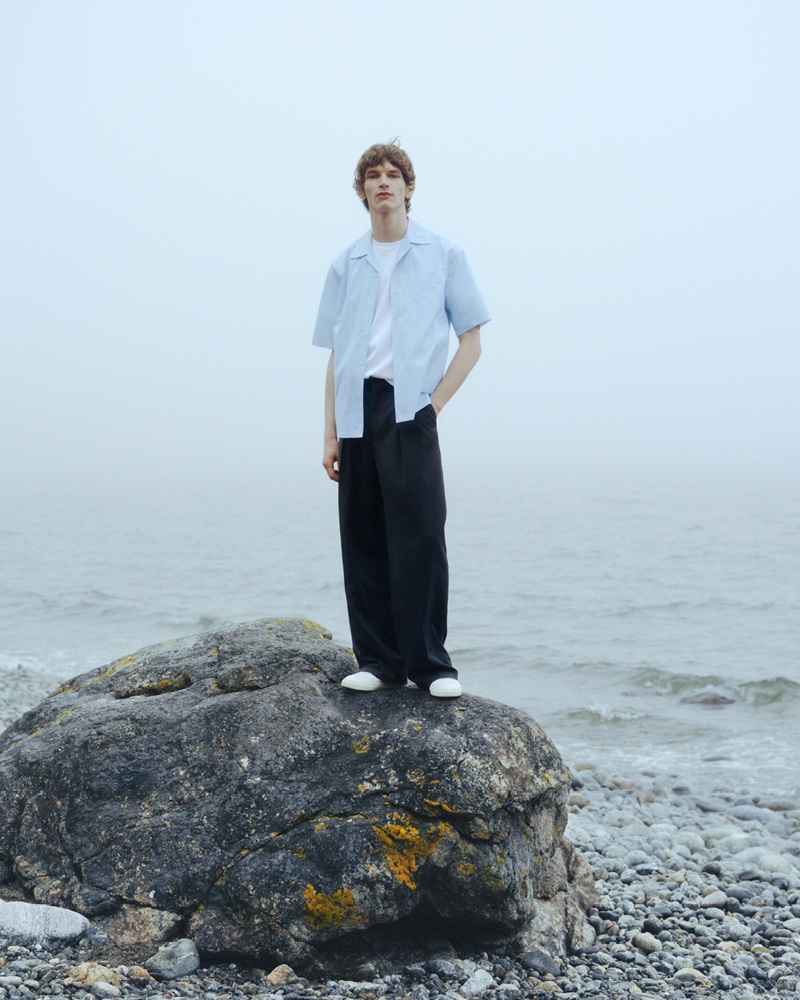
690, 839
479, 981
717, 899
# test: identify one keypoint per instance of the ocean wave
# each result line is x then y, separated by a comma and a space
771, 691
714, 690
690, 608
606, 713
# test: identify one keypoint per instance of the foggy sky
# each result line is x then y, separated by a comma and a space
177, 177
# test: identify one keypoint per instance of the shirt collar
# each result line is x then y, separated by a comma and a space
414, 234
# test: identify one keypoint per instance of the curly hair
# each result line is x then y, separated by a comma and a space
383, 152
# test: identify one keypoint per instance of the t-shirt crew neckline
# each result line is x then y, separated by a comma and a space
386, 246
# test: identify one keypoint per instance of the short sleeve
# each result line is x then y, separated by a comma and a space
464, 303
326, 314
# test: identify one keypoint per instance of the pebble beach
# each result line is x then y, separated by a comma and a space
698, 894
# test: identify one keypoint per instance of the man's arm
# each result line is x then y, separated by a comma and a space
462, 363
330, 450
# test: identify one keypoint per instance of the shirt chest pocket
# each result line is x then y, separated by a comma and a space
418, 291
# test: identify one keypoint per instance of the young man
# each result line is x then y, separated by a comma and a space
386, 311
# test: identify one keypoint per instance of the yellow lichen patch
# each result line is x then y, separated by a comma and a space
175, 683
361, 745
479, 831
115, 666
434, 806
403, 844
331, 912
65, 714
466, 869
150, 687
307, 623
492, 879
300, 852
118, 664
312, 626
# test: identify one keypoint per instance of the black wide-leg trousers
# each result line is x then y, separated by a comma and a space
391, 516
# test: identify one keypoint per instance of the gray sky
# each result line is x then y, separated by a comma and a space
176, 179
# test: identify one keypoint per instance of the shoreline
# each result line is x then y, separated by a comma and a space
23, 686
697, 895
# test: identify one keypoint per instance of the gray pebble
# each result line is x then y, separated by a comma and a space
180, 958
105, 991
541, 963
441, 967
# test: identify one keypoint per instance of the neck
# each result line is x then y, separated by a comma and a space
389, 228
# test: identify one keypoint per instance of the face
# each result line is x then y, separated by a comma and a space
385, 189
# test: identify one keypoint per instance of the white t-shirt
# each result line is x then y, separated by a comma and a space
380, 354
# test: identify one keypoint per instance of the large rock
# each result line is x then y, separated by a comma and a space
225, 788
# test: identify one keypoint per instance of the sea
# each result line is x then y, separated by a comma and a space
649, 622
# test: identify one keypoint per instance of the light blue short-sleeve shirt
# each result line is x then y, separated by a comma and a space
432, 290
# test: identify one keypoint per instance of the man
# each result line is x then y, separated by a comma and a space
386, 310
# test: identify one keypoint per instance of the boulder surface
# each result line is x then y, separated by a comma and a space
225, 788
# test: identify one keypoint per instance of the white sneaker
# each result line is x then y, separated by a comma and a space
445, 687
365, 681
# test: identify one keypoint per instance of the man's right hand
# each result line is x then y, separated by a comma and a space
330, 458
